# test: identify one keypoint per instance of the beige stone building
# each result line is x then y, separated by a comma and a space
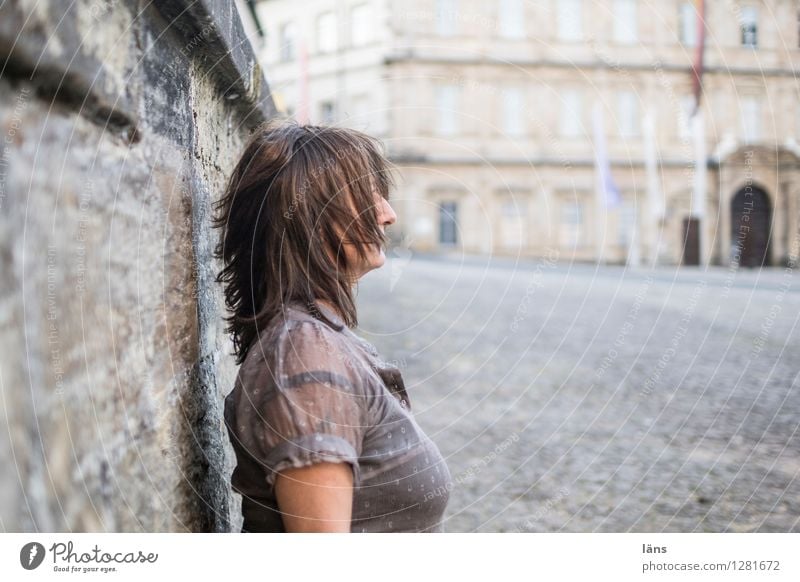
494, 113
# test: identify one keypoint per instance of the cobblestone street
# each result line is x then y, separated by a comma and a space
570, 398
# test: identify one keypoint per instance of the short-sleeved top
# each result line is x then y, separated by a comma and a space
311, 390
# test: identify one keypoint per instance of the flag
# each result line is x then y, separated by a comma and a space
698, 65
607, 189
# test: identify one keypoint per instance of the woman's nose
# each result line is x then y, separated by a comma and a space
387, 214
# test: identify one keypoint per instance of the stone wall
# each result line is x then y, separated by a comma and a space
119, 122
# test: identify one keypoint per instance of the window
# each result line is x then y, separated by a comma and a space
288, 38
571, 226
447, 110
360, 25
688, 24
571, 120
446, 11
751, 118
570, 16
513, 212
513, 119
326, 32
327, 112
448, 223
685, 117
627, 223
512, 19
359, 117
625, 25
749, 26
628, 114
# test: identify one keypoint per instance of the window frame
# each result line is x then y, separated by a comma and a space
287, 43
333, 41
628, 111
743, 30
515, 127
629, 33
445, 111
578, 117
572, 221
452, 220
511, 19
687, 24
323, 104
565, 32
364, 36
751, 134
445, 21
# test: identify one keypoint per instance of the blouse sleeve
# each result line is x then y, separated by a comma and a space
316, 412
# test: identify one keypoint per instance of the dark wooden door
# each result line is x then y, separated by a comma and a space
751, 219
691, 241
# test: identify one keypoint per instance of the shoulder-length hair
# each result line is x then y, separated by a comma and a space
296, 195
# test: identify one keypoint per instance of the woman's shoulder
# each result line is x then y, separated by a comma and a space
292, 321
296, 341
296, 348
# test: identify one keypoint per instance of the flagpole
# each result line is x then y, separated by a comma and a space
655, 209
599, 203
633, 259
606, 192
598, 216
699, 191
699, 135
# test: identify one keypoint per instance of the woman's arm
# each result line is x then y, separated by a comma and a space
317, 498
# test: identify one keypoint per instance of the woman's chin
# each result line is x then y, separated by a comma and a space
375, 260
379, 260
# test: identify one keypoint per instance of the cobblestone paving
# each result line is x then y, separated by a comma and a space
570, 398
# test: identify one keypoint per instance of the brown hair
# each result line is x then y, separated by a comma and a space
297, 193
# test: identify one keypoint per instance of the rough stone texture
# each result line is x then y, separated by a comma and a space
119, 122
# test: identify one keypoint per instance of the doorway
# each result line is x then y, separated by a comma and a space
691, 241
751, 220
448, 223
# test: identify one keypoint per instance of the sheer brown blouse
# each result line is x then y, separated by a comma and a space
311, 390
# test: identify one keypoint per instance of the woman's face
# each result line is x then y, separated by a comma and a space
375, 256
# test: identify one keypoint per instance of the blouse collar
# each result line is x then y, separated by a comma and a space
316, 308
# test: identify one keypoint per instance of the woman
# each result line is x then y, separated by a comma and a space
322, 427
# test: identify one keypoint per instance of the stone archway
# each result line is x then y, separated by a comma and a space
751, 221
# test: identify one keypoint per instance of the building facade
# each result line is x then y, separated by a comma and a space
501, 115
